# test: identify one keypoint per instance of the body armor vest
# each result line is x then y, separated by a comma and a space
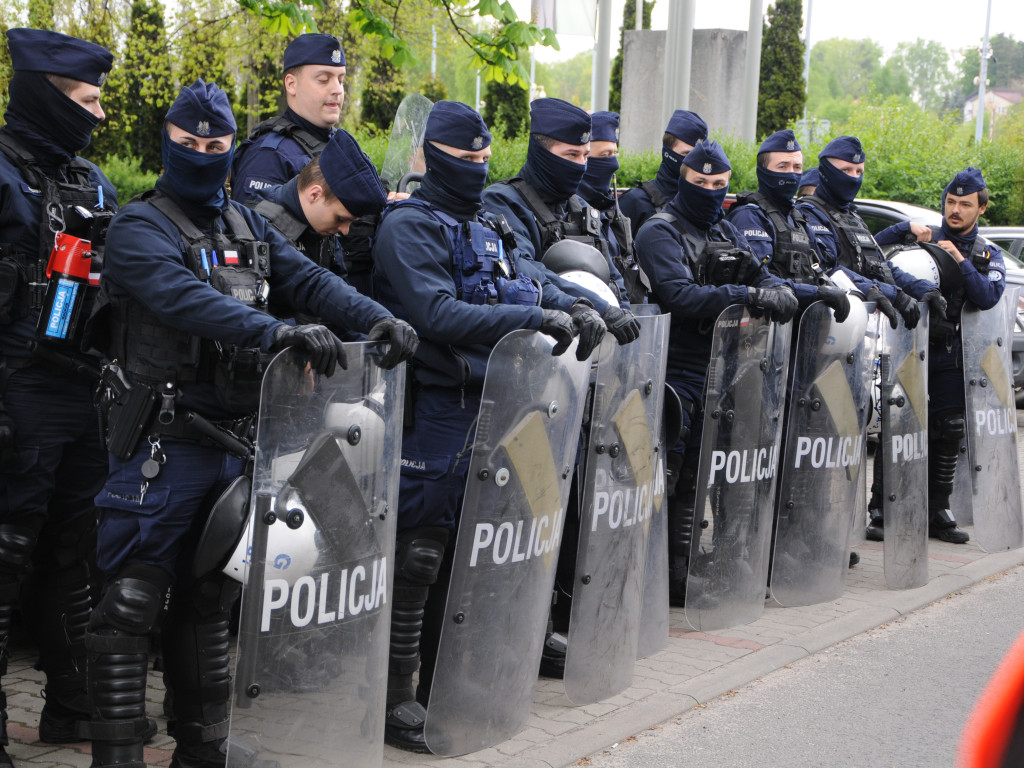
312, 245
945, 330
858, 250
482, 273
794, 256
715, 262
582, 222
71, 206
155, 354
281, 125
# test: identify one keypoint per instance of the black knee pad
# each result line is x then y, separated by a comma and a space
419, 553
134, 601
949, 426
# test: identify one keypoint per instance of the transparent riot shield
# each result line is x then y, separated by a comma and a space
991, 417
823, 454
903, 400
621, 486
404, 154
507, 546
739, 459
311, 670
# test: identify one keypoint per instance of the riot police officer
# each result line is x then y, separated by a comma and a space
808, 183
964, 201
683, 131
52, 459
699, 265
278, 148
542, 207
188, 278
596, 190
463, 288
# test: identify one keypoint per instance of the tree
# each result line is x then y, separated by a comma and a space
628, 22
1005, 67
781, 93
568, 80
841, 69
925, 66
506, 104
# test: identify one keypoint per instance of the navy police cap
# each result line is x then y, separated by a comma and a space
39, 50
707, 157
314, 48
351, 175
809, 178
846, 148
687, 126
202, 109
605, 126
560, 120
964, 183
780, 141
457, 125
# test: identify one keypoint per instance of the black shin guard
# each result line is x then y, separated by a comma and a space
947, 431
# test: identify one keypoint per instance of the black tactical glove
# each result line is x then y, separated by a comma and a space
400, 338
836, 298
7, 432
324, 348
883, 305
559, 326
591, 327
780, 303
621, 324
907, 306
936, 302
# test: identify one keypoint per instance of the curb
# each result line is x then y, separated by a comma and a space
603, 732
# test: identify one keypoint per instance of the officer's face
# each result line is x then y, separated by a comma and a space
213, 146
604, 149
316, 93
88, 98
469, 155
786, 162
574, 153
962, 211
325, 217
708, 181
856, 170
681, 148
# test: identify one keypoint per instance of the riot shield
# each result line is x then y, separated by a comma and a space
311, 670
903, 399
739, 458
994, 482
507, 546
405, 147
823, 454
621, 487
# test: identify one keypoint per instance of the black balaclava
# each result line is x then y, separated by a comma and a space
56, 127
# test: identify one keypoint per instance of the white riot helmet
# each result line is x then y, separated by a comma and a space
583, 265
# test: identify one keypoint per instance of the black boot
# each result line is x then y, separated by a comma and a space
876, 525
681, 486
16, 545
419, 554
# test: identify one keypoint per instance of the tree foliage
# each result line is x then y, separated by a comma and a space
506, 108
924, 66
781, 92
1005, 67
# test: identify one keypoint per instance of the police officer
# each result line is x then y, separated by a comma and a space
684, 129
808, 183
52, 459
310, 213
277, 149
964, 201
676, 249
542, 207
187, 279
844, 236
778, 233
596, 190
462, 300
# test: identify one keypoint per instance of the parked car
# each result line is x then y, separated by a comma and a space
1010, 239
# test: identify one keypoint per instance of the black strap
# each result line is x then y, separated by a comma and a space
540, 209
654, 192
283, 219
281, 125
233, 221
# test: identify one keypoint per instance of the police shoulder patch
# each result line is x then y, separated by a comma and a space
994, 275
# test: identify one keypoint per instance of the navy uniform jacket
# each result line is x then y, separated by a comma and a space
828, 243
502, 198
270, 160
638, 206
664, 257
20, 212
416, 284
145, 262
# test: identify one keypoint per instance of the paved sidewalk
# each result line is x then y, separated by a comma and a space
694, 667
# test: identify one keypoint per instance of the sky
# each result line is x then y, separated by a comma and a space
954, 23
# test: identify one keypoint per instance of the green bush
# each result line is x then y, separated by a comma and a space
127, 176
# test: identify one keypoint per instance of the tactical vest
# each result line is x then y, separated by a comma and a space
858, 250
71, 206
155, 354
479, 267
314, 246
582, 222
794, 256
653, 191
945, 330
715, 262
282, 126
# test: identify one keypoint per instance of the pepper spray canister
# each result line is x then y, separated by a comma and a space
67, 274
